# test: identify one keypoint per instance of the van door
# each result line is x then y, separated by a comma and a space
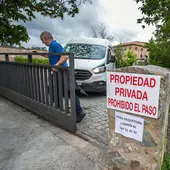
109, 63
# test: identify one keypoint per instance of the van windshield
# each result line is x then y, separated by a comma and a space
86, 51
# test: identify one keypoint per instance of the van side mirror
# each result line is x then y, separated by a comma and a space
113, 59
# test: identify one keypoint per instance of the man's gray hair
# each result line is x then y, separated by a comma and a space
46, 34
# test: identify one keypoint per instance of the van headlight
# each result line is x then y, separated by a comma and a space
98, 70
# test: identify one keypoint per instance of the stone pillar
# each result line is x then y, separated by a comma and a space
126, 153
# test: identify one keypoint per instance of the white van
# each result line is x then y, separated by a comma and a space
93, 56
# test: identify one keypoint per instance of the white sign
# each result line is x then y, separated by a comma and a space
129, 126
133, 93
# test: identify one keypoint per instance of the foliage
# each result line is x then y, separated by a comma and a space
124, 59
159, 54
34, 60
119, 52
130, 58
101, 32
14, 11
166, 163
156, 12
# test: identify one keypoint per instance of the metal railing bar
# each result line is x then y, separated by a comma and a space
29, 58
50, 87
20, 77
42, 85
66, 91
6, 56
39, 65
32, 54
55, 87
38, 84
72, 86
27, 81
34, 83
46, 86
11, 76
24, 82
30, 82
60, 89
16, 78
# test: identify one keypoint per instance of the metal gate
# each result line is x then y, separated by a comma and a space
39, 89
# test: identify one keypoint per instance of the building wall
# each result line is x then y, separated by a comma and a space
137, 47
140, 51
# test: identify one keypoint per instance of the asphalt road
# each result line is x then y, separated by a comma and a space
28, 142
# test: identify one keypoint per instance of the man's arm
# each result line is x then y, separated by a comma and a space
63, 58
44, 55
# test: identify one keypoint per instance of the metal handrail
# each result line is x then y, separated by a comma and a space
33, 53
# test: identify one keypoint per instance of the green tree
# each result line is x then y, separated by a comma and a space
119, 52
12, 11
124, 59
130, 58
159, 54
156, 12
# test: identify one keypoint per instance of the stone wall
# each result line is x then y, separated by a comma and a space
126, 153
6, 49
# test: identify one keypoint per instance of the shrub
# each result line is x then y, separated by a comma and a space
130, 58
166, 162
34, 60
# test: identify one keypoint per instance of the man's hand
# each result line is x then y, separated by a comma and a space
35, 52
54, 69
43, 55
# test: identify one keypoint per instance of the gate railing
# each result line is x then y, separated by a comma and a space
38, 88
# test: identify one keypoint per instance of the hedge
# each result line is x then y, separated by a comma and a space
34, 60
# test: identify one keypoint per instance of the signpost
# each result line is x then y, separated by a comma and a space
133, 93
138, 113
129, 126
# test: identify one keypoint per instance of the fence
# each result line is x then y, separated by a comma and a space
37, 88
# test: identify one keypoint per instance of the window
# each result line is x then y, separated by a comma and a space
86, 51
108, 55
112, 53
136, 48
129, 48
141, 49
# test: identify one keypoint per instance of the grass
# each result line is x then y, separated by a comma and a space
166, 162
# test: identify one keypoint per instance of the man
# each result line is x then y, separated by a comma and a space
54, 47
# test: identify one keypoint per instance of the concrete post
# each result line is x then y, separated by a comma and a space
138, 106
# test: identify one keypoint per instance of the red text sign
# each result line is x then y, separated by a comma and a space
134, 93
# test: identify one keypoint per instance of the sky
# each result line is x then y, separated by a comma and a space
119, 17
